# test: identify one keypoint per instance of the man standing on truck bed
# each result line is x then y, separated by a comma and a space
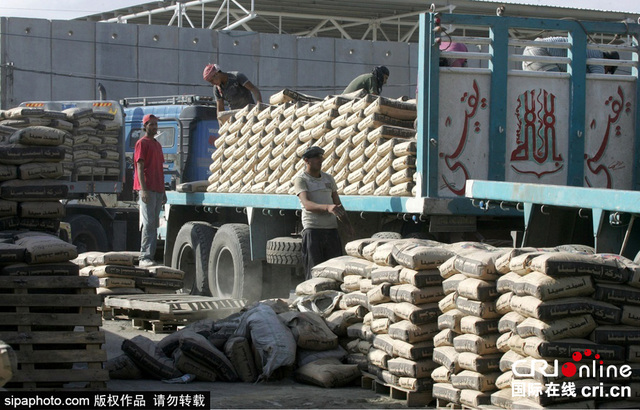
321, 208
232, 87
371, 82
148, 179
562, 52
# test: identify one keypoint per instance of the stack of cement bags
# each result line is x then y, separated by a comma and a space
118, 275
369, 145
30, 253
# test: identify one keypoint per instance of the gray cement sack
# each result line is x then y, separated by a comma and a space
355, 248
410, 333
40, 170
504, 380
509, 322
340, 320
574, 264
359, 360
360, 331
369, 249
413, 351
150, 358
108, 258
165, 272
305, 357
479, 363
447, 269
380, 326
378, 358
41, 269
545, 287
503, 262
503, 399
482, 345
366, 285
47, 249
446, 392
564, 349
8, 208
420, 278
474, 380
616, 335
355, 298
8, 172
521, 264
530, 306
474, 398
477, 289
506, 283
419, 257
452, 283
503, 342
39, 136
516, 343
416, 385
485, 310
17, 154
117, 283
441, 375
408, 368
386, 274
384, 310
478, 326
633, 354
630, 315
418, 315
414, 295
333, 268
310, 330
447, 357
390, 378
444, 338
239, 352
448, 302
566, 328
479, 265
359, 267
363, 346
11, 253
39, 190
316, 285
322, 303
351, 283
379, 294
123, 368
503, 303
384, 343
115, 271
451, 320
508, 359
617, 294
197, 347
328, 373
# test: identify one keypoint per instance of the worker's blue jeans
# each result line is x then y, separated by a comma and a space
149, 219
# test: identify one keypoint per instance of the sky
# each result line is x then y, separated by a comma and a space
70, 9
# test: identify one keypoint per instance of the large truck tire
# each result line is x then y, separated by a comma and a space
191, 255
386, 235
284, 251
87, 234
232, 274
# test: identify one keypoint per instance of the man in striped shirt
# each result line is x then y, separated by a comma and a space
562, 52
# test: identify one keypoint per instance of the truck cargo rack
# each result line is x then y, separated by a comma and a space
168, 100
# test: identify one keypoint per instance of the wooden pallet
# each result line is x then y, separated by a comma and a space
170, 307
411, 398
53, 326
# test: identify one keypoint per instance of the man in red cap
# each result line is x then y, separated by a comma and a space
148, 180
232, 87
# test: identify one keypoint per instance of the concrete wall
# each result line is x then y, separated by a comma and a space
60, 60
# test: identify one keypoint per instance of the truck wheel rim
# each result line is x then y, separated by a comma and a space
187, 264
225, 273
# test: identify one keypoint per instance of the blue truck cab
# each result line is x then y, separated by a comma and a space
187, 130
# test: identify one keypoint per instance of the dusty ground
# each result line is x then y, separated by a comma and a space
277, 395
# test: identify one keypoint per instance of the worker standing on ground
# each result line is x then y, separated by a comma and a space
371, 83
148, 180
232, 87
321, 210
562, 52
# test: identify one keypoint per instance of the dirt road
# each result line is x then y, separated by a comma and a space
280, 394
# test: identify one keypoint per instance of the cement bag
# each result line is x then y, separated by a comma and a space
482, 345
446, 392
340, 320
393, 108
379, 294
508, 359
474, 398
564, 349
545, 287
418, 315
359, 360
503, 262
474, 380
38, 135
42, 209
22, 112
108, 258
355, 298
410, 368
506, 283
11, 253
479, 265
448, 302
33, 190
441, 375
8, 172
413, 351
503, 303
195, 186
630, 316
572, 327
239, 352
414, 295
504, 380
510, 321
447, 357
503, 398
380, 326
117, 283
617, 294
447, 269
359, 267
187, 365
360, 331
351, 283
273, 340
485, 310
477, 289
200, 349
478, 326
387, 274
451, 320
378, 358
328, 373
123, 368
616, 335
479, 363
600, 268
421, 257
515, 343
384, 343
387, 377
444, 338
8, 208
530, 306
410, 333
150, 358
420, 278
315, 285
333, 268
165, 272
451, 284
383, 255
310, 331
384, 310
521, 264
46, 249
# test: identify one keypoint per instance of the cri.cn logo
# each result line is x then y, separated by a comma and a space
570, 369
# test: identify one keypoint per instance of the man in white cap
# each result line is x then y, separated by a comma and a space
232, 87
321, 209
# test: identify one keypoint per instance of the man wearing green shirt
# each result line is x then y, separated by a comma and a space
371, 83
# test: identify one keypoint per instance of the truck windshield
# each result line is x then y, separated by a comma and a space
166, 136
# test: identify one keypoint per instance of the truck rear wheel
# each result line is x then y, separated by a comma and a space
191, 255
284, 251
232, 274
87, 234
